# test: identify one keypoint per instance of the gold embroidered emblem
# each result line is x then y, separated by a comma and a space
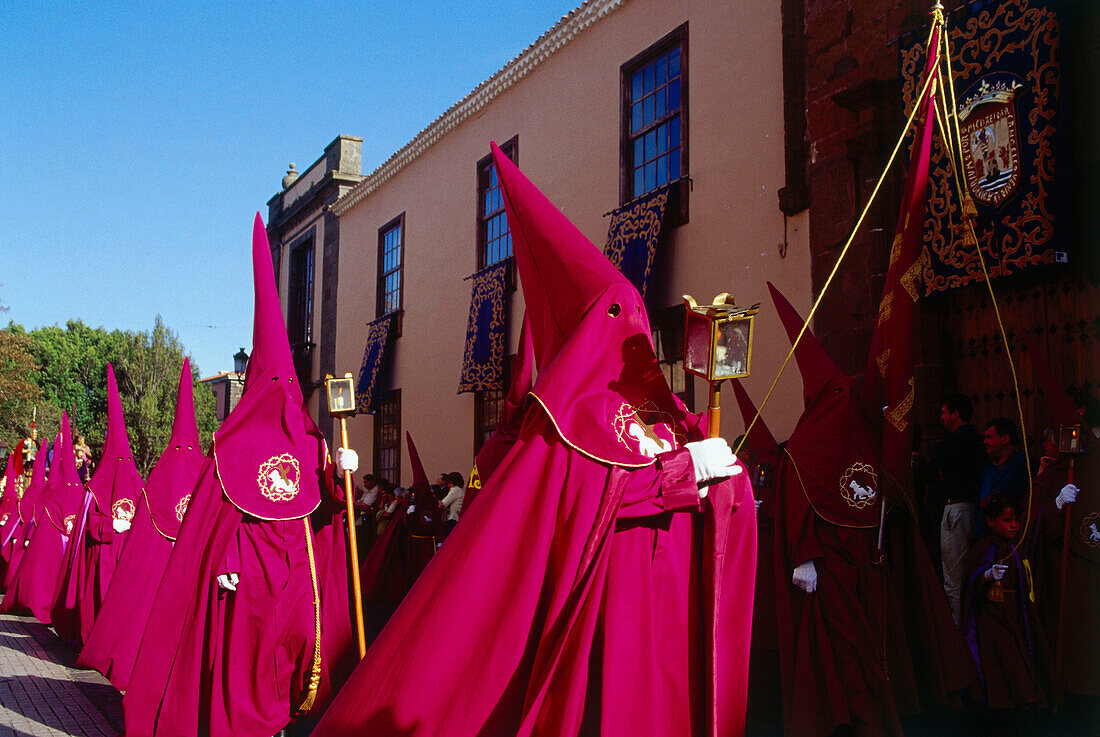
645, 430
278, 478
1090, 530
859, 485
123, 509
181, 507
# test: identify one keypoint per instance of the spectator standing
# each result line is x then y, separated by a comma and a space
452, 501
1006, 471
956, 472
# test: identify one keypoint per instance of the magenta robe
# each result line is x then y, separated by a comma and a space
233, 664
111, 646
574, 606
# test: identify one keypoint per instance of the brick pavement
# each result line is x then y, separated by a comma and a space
42, 695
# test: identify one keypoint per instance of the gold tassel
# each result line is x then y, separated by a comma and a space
315, 668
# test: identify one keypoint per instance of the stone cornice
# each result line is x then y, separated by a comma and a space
564, 31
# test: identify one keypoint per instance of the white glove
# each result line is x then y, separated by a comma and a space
805, 577
228, 581
758, 502
410, 509
1067, 495
713, 458
996, 572
347, 460
120, 525
26, 543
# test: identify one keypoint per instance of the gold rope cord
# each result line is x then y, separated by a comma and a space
315, 668
970, 238
937, 20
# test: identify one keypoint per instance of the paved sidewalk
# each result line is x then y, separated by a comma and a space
42, 695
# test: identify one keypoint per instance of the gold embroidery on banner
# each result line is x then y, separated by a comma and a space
123, 509
858, 485
278, 478
912, 277
886, 308
898, 415
883, 360
181, 507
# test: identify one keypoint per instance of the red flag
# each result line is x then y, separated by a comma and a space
888, 386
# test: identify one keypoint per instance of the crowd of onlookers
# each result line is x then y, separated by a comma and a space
378, 500
999, 538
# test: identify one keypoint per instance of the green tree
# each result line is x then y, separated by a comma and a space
20, 398
72, 375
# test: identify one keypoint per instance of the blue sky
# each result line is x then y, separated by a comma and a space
138, 139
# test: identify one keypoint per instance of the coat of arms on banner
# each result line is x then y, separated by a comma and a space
991, 152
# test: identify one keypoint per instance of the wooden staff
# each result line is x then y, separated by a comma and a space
353, 547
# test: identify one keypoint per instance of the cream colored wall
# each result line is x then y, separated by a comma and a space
566, 113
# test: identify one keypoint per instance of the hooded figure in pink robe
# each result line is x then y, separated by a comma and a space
114, 492
859, 644
590, 590
35, 583
112, 644
11, 494
18, 529
407, 544
251, 623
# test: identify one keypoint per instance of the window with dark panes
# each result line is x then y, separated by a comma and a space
654, 100
494, 238
391, 246
487, 407
387, 438
300, 295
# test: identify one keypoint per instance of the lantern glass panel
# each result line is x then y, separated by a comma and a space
697, 344
1069, 440
731, 354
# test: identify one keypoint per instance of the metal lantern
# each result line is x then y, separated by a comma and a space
717, 345
1071, 440
240, 361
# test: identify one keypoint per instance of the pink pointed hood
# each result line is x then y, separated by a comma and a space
173, 478
32, 495
64, 493
420, 483
270, 455
830, 448
762, 451
599, 379
816, 366
116, 483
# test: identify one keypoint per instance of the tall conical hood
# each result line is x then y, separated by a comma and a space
599, 379
760, 438
270, 454
1061, 407
116, 483
173, 478
183, 423
420, 483
64, 493
815, 365
270, 344
32, 495
830, 449
562, 272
